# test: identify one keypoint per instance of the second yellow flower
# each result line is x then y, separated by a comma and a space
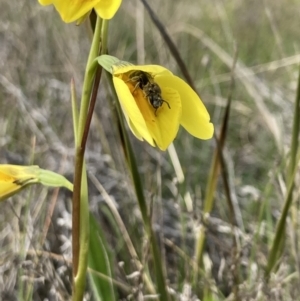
73, 10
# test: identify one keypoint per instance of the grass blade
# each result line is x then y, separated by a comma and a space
276, 251
100, 262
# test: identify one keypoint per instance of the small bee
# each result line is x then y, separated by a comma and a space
140, 78
152, 91
153, 94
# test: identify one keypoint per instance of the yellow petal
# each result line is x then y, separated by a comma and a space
72, 10
106, 9
162, 123
133, 128
13, 178
45, 2
195, 118
154, 70
135, 131
133, 115
8, 189
7, 185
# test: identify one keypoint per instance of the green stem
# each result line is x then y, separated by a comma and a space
88, 78
80, 215
74, 110
104, 35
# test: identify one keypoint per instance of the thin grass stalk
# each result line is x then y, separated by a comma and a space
124, 232
295, 134
233, 221
217, 163
293, 153
264, 208
22, 246
174, 51
224, 173
208, 205
186, 203
130, 158
280, 229
24, 289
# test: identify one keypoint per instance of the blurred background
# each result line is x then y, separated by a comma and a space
39, 55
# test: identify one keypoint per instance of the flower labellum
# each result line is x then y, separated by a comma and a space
155, 102
73, 10
13, 178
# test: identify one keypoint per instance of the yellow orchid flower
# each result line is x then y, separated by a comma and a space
73, 10
155, 102
13, 178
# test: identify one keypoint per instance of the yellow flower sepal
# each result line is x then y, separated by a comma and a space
73, 10
157, 123
13, 178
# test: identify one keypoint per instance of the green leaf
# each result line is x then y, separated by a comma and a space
109, 62
99, 261
50, 178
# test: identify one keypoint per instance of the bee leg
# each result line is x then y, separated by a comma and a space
166, 103
136, 86
133, 80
